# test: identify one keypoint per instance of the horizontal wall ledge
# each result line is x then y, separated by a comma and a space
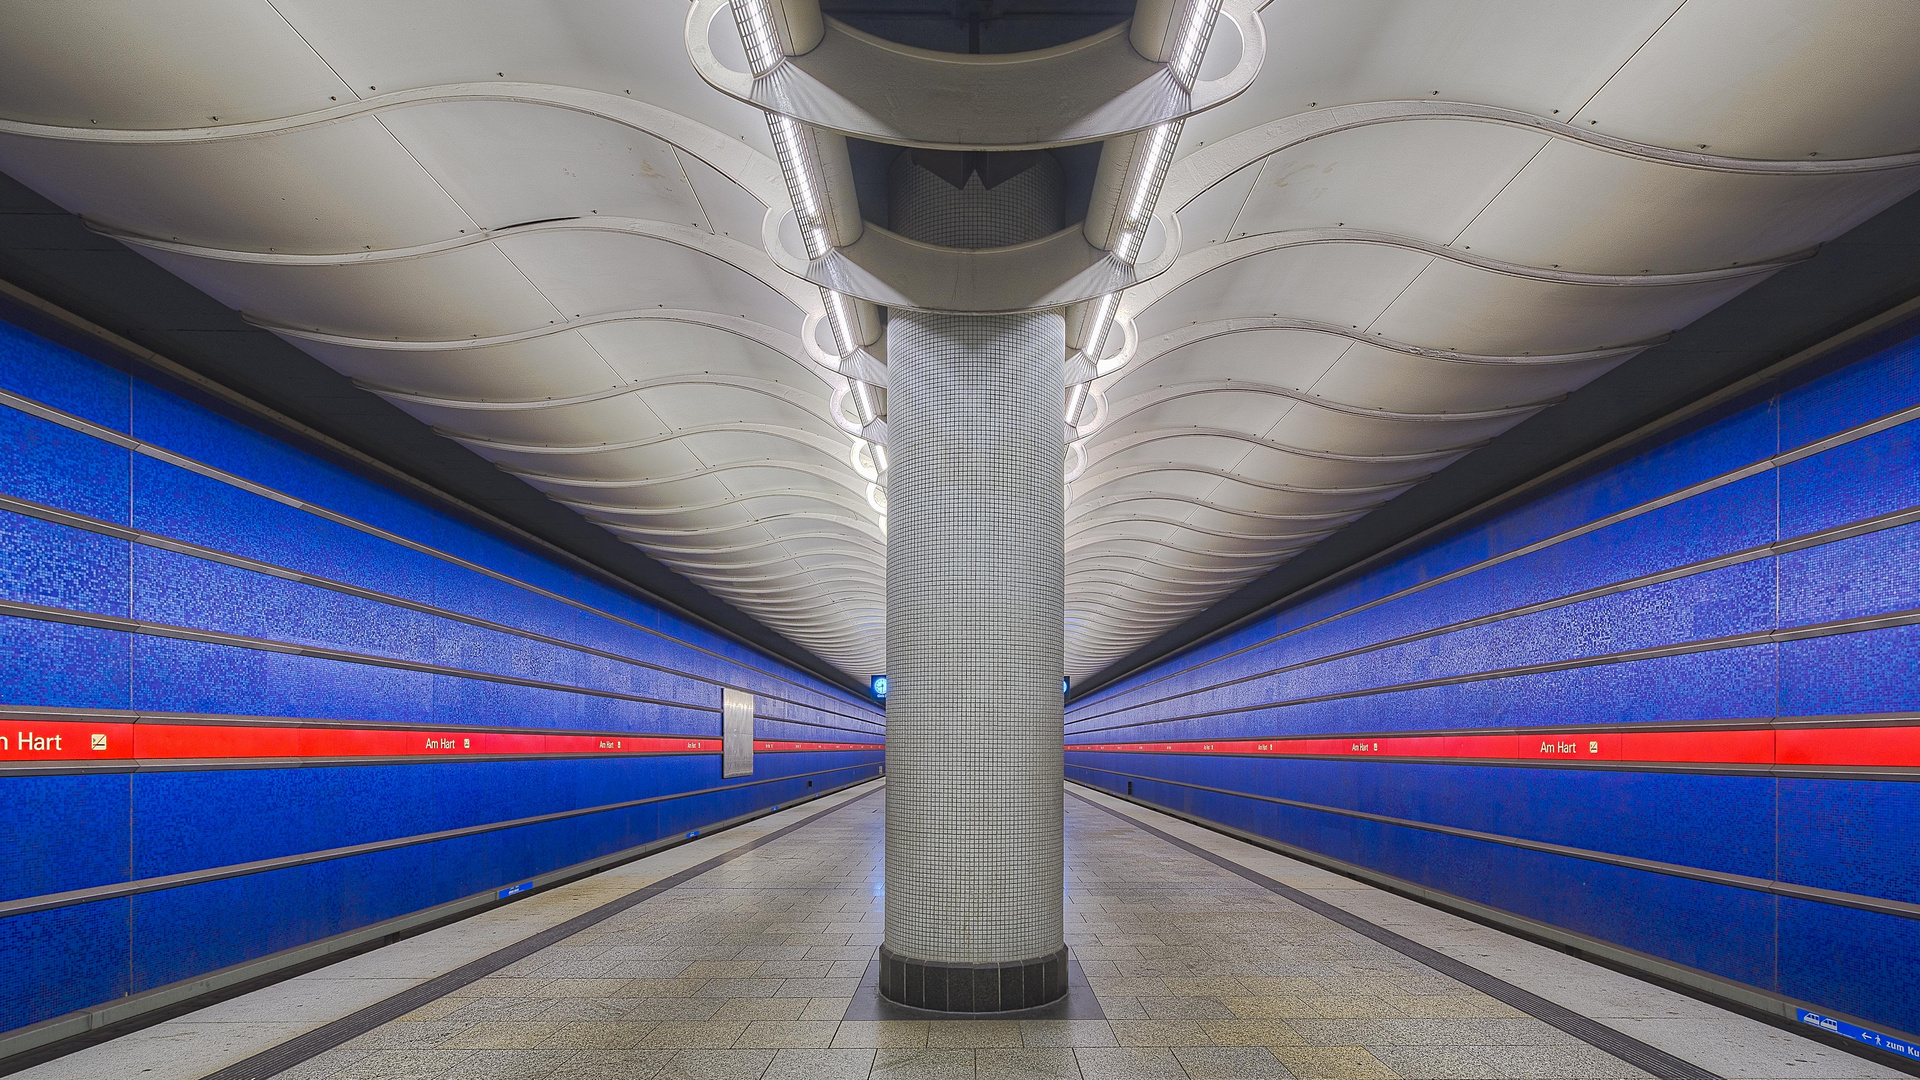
50, 901
1876, 904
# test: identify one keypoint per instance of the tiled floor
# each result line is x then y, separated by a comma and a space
745, 972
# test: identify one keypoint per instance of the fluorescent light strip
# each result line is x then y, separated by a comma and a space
841, 320
863, 401
1186, 58
792, 146
1095, 339
756, 28
1143, 182
1076, 401
790, 142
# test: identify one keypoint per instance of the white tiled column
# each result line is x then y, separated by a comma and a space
975, 608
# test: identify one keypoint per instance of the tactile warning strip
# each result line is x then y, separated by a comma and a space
1588, 1030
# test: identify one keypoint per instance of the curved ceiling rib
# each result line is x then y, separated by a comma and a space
742, 257
1189, 268
1206, 166
1195, 333
740, 163
1114, 442
569, 272
1176, 433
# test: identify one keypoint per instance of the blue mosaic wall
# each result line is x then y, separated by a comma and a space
1837, 449
198, 477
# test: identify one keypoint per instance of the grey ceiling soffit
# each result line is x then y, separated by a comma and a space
1852, 279
48, 252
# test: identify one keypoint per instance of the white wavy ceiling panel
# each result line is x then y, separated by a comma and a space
530, 225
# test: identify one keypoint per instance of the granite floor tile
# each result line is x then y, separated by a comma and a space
665, 1008
961, 1034
762, 1009
508, 1065
598, 1035
402, 1065
1332, 1063
612, 1065
502, 1035
815, 1064
1267, 1032
1160, 1033
1074, 1033
1229, 1063
922, 1064
1130, 1063
1184, 1008
1026, 1063
780, 1034
823, 1008
874, 1034
713, 1064
695, 1034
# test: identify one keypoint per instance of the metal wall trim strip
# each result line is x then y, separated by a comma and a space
50, 901
56, 516
1856, 625
1834, 897
1863, 527
122, 624
105, 434
1818, 446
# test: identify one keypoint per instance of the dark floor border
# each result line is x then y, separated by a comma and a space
126, 1016
1586, 1029
1737, 998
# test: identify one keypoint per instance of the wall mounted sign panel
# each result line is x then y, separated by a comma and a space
736, 733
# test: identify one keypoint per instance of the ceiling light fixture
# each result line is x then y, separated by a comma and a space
793, 145
1193, 40
1149, 172
863, 402
1076, 401
756, 33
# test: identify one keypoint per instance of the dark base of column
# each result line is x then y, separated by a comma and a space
973, 988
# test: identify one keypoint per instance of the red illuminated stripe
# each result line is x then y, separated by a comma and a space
82, 740
1836, 746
